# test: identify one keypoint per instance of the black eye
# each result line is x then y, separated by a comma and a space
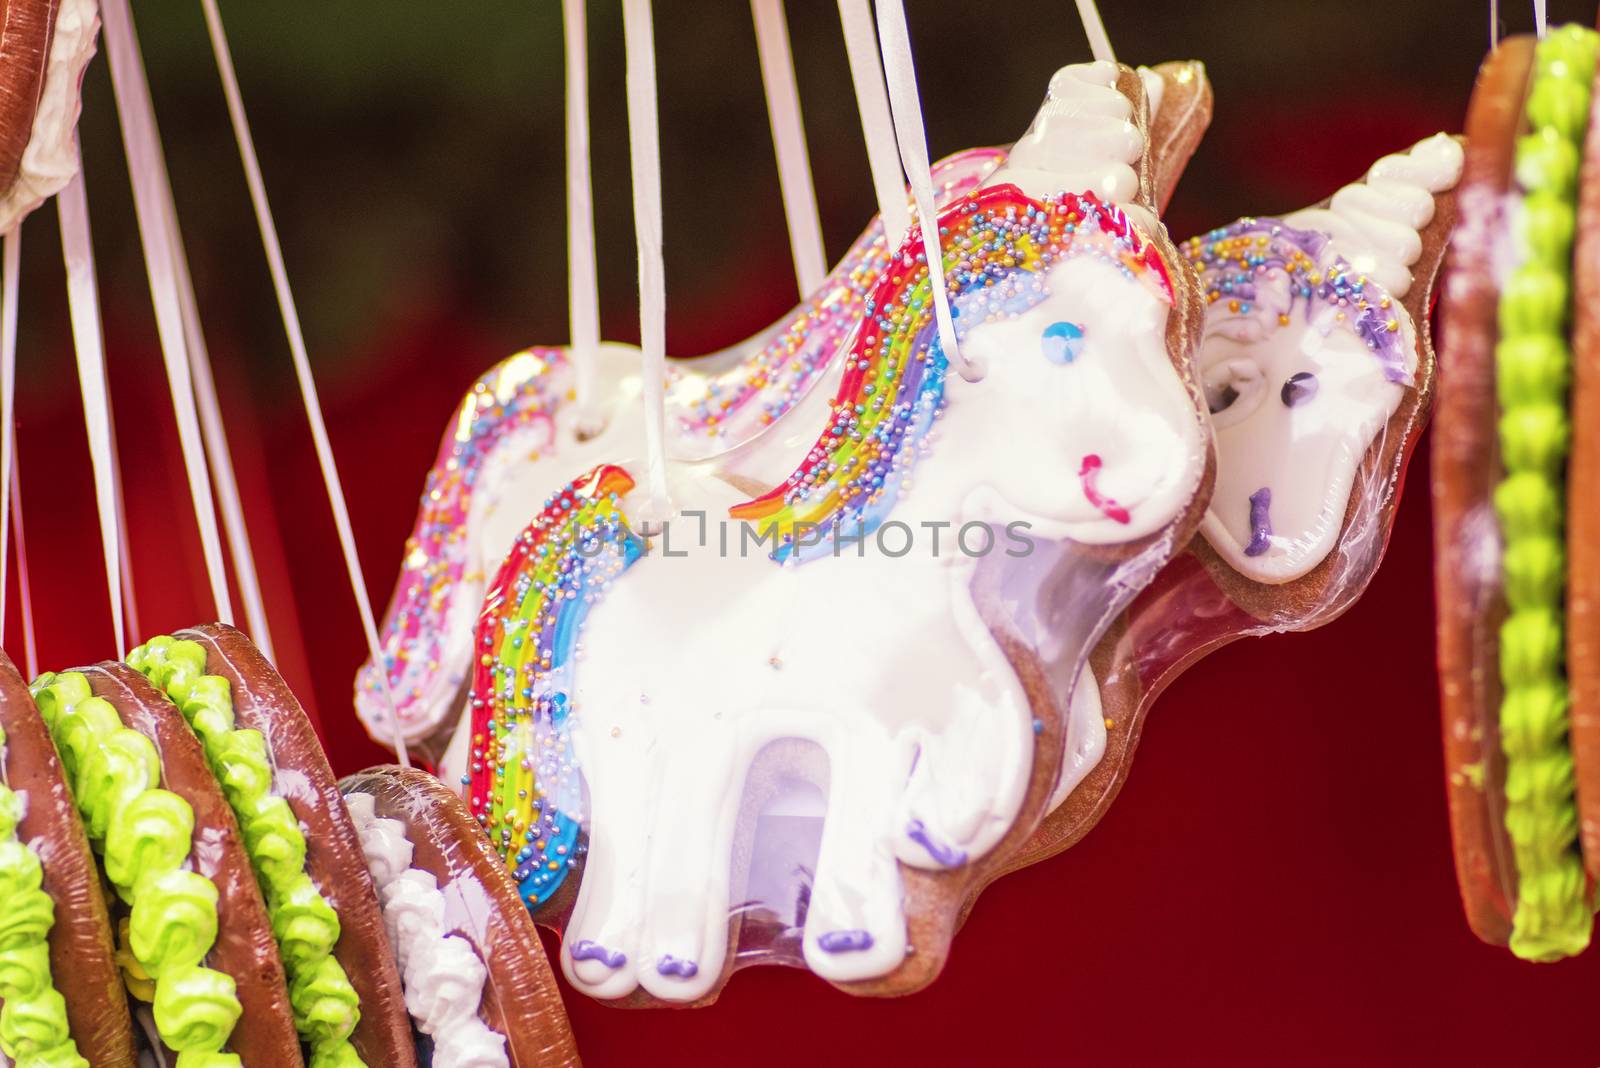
1298, 389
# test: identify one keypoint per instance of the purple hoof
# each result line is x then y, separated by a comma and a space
844, 941
587, 950
678, 969
917, 831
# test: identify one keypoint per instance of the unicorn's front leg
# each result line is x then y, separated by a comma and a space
855, 925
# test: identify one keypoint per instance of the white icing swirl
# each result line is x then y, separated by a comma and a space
412, 906
443, 982
387, 849
51, 159
441, 974
1375, 224
1083, 140
469, 1044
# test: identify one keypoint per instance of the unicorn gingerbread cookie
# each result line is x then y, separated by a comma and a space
642, 713
1318, 369
516, 436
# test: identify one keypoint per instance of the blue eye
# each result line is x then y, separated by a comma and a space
1062, 342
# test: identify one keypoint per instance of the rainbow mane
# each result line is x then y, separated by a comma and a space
523, 782
995, 241
1233, 259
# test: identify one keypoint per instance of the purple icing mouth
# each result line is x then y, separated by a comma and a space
677, 969
587, 950
917, 831
1260, 522
844, 941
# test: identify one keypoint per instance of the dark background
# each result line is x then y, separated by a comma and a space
1274, 885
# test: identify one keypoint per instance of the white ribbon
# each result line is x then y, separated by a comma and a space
24, 588
789, 141
223, 476
147, 171
583, 288
877, 127
901, 74
644, 145
1095, 30
1540, 17
302, 363
83, 305
9, 272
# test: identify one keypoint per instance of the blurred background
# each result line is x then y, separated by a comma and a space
1275, 880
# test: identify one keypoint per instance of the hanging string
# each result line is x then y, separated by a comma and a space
1099, 43
789, 142
24, 587
225, 481
1494, 24
1540, 17
644, 144
147, 171
583, 287
877, 127
10, 272
302, 363
130, 605
901, 75
83, 305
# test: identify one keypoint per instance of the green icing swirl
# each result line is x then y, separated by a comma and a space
1553, 917
195, 1009
27, 919
20, 870
145, 834
151, 835
206, 1059
174, 921
305, 925
325, 1004
63, 1056
326, 1007
24, 970
29, 1025
336, 1054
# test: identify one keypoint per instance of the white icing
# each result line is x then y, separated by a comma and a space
1086, 736
1374, 223
1083, 140
412, 905
387, 849
664, 730
1155, 90
442, 976
443, 981
51, 158
1308, 455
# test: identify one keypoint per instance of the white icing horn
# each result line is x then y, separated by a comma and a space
1376, 224
1083, 140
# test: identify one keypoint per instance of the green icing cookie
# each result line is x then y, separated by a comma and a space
1533, 370
325, 1004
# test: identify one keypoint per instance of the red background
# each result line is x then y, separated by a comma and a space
1274, 884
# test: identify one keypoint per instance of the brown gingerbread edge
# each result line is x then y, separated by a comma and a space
82, 948
263, 702
520, 998
1466, 468
27, 28
1583, 509
245, 948
1176, 130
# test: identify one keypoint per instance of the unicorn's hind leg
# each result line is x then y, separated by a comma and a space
684, 946
855, 926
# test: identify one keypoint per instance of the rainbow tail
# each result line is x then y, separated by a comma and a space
523, 785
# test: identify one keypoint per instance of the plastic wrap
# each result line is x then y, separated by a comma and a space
520, 999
